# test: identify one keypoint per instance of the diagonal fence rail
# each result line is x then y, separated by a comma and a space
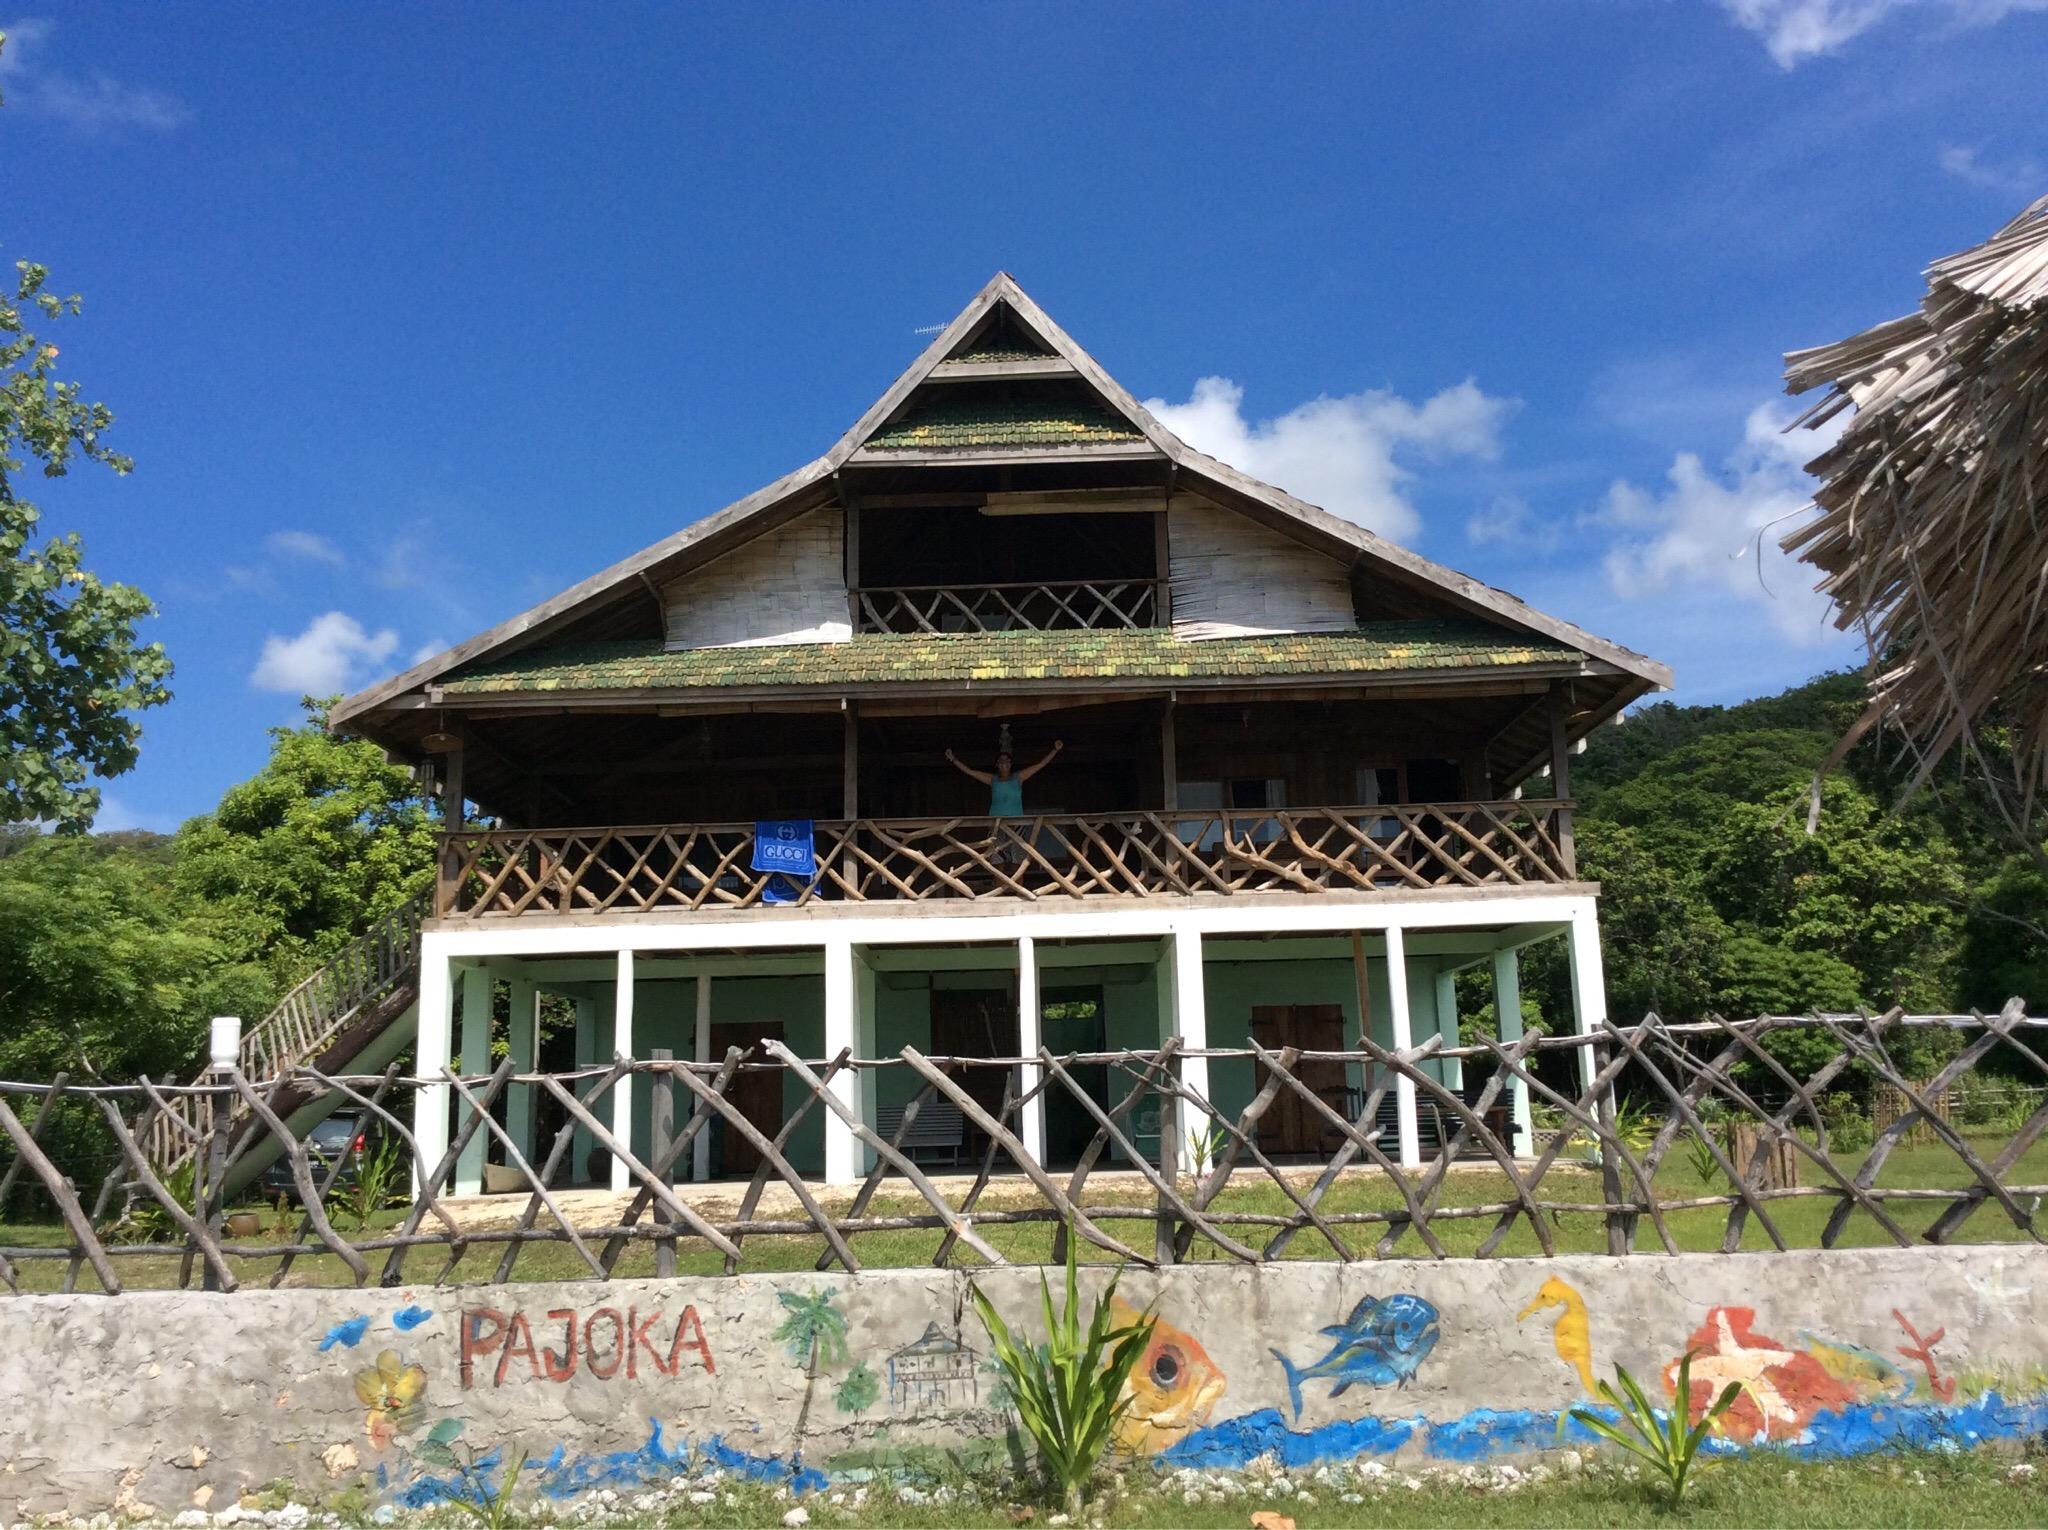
1651, 1137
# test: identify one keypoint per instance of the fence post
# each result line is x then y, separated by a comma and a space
1165, 1228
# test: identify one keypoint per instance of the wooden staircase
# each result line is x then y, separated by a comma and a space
323, 1022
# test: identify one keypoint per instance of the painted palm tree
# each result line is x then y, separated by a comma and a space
813, 1334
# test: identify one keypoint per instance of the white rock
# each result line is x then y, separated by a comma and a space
797, 1517
187, 1518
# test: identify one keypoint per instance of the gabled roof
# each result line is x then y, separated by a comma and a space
1001, 334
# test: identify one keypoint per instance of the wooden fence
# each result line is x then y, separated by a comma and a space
1183, 851
1198, 1184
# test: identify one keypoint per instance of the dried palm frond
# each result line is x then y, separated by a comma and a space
1932, 535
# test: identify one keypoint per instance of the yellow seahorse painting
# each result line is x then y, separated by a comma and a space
1573, 1331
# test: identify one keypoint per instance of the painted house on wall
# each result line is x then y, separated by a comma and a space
706, 794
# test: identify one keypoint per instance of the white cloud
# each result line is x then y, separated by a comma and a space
2022, 178
1794, 31
1340, 453
94, 104
404, 566
1719, 531
1509, 519
324, 658
427, 651
308, 546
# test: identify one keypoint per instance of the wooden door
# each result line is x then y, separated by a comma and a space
977, 1022
755, 1093
1291, 1124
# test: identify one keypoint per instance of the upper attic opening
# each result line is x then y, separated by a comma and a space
1000, 338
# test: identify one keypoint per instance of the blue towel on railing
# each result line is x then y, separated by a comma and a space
785, 848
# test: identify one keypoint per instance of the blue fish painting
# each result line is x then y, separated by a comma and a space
1381, 1344
405, 1319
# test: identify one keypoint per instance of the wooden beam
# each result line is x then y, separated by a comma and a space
1561, 775
850, 782
993, 371
1169, 756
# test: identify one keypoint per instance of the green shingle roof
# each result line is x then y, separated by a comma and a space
1123, 654
999, 352
958, 422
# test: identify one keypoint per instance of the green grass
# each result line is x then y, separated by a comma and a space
1361, 1192
1762, 1489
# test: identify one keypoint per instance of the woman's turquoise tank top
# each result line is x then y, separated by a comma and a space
1006, 798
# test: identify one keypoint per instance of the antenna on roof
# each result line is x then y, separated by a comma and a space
928, 329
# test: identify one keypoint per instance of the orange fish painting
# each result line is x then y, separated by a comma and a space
1781, 1388
1173, 1388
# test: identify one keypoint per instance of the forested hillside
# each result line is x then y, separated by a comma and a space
1716, 897
115, 948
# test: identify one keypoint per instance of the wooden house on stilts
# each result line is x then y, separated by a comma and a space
1274, 768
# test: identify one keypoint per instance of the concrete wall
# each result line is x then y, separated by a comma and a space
181, 1399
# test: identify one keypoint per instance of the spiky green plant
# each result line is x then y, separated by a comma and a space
1669, 1441
1068, 1391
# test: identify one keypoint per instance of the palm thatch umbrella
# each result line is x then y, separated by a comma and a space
1933, 528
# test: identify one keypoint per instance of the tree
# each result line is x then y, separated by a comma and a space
71, 669
1660, 941
104, 970
857, 1393
1879, 892
310, 851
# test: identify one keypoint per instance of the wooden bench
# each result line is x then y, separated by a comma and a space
938, 1128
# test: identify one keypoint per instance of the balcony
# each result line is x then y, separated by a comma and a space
1055, 607
494, 874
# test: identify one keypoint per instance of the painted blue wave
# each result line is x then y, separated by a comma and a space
1487, 1432
562, 1475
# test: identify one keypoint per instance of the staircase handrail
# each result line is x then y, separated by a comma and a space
304, 1023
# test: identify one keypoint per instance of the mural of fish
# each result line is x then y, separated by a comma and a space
1173, 1389
1381, 1344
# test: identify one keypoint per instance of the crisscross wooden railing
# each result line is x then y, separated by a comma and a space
1060, 606
1686, 1128
1183, 852
305, 1024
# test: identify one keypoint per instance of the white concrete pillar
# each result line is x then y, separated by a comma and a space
700, 1149
581, 1141
864, 986
1507, 1010
476, 1060
842, 1029
523, 1036
1191, 1024
1589, 985
436, 1026
1029, 1031
622, 1092
1402, 1037
1451, 1071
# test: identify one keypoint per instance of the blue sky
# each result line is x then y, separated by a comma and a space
414, 315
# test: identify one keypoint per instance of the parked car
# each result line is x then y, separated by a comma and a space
342, 1135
